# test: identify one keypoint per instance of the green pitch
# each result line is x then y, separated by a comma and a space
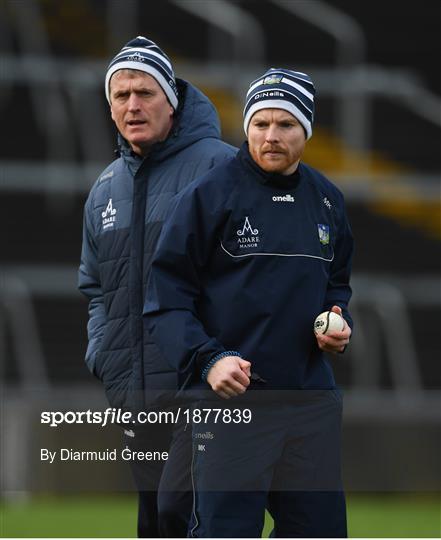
98, 516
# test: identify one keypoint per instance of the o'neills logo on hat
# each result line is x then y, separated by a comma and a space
273, 93
137, 57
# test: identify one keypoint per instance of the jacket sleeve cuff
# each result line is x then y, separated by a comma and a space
214, 359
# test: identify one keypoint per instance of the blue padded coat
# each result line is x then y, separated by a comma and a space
123, 218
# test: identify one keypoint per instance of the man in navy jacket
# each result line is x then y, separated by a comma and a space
168, 134
250, 255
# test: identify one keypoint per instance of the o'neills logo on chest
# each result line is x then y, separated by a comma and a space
247, 235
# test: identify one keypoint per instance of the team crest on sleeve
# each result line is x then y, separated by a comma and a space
323, 233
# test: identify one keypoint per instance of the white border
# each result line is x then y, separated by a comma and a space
276, 255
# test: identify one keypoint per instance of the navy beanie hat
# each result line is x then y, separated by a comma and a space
143, 54
291, 91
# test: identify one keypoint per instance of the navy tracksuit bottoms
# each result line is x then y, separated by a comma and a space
164, 488
286, 460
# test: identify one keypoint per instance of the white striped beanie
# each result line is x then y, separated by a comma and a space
291, 91
143, 54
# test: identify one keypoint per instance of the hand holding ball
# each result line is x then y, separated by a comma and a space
328, 322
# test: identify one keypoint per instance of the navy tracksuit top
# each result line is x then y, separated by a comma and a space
245, 262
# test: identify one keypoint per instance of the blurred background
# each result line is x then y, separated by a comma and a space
377, 135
